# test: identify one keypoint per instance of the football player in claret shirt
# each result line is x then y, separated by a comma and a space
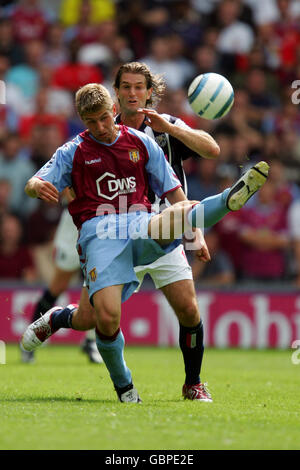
136, 87
110, 168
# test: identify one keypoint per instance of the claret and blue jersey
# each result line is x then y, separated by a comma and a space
112, 179
101, 173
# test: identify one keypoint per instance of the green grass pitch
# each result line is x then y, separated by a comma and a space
64, 402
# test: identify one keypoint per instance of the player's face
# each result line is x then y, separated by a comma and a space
133, 93
101, 125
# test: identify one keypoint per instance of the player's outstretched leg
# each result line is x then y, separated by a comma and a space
37, 333
231, 199
247, 185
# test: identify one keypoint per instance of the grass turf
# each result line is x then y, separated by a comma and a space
64, 402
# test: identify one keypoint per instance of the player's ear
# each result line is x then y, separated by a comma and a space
114, 109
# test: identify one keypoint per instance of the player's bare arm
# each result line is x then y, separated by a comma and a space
197, 140
44, 190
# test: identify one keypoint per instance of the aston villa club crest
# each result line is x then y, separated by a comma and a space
134, 155
93, 275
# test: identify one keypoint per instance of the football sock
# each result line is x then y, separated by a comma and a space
192, 347
215, 209
111, 350
90, 335
45, 303
63, 318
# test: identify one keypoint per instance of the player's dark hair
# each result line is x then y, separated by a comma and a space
154, 81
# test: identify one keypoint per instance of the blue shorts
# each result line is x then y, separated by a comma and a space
110, 246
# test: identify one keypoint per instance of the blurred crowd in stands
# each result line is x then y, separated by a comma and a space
49, 49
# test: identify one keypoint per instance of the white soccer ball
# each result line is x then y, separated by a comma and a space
210, 95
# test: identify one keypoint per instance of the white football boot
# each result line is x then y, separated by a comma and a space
247, 185
128, 394
36, 333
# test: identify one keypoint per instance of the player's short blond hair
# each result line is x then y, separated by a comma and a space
154, 81
92, 98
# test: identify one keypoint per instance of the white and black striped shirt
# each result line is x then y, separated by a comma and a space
175, 151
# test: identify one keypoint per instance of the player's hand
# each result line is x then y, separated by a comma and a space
47, 192
203, 254
198, 244
154, 120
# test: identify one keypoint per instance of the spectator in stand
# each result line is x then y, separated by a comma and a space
25, 76
44, 136
219, 271
139, 21
262, 101
177, 105
6, 3
85, 30
95, 11
179, 54
42, 117
56, 52
160, 61
228, 228
286, 191
59, 101
29, 20
205, 7
263, 12
271, 149
8, 46
110, 48
72, 75
294, 232
205, 59
40, 227
16, 103
9, 120
284, 119
5, 193
241, 120
286, 35
235, 36
186, 22
15, 259
264, 235
203, 183
16, 169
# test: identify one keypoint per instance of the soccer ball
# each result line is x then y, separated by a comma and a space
210, 95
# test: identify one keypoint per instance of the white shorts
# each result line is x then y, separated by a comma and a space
65, 240
167, 269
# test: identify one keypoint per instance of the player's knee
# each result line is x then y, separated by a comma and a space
189, 314
108, 321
